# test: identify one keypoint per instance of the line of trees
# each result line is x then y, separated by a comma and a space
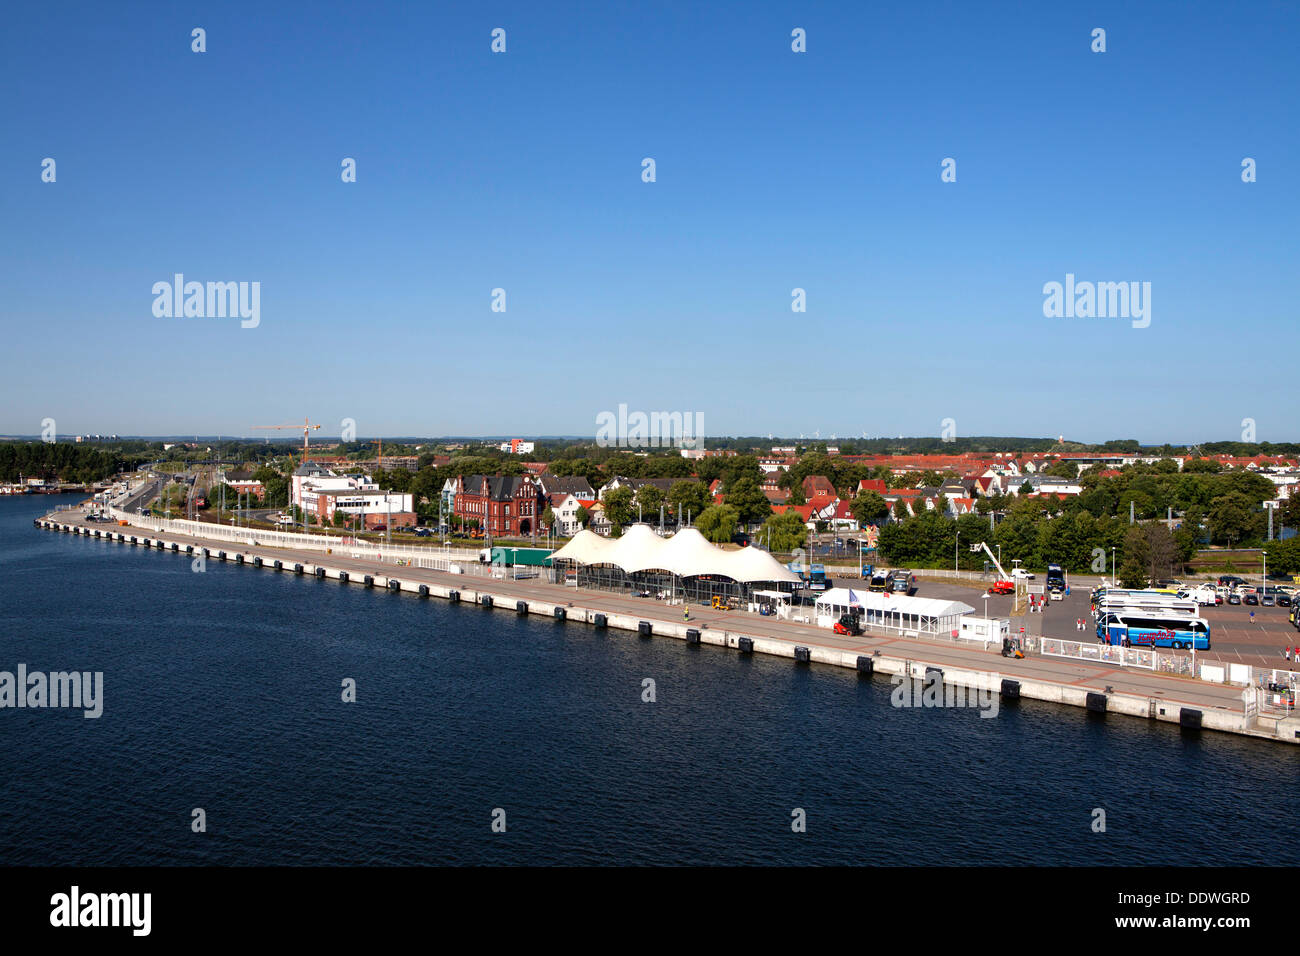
62, 461
1079, 542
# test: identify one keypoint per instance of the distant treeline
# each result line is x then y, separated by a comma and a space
61, 462
930, 445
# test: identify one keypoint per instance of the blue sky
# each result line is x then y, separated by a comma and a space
775, 170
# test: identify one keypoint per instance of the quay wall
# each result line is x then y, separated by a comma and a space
496, 594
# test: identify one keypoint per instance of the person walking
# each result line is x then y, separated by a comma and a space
1252, 617
1286, 652
686, 613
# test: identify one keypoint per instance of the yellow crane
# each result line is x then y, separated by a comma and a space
306, 426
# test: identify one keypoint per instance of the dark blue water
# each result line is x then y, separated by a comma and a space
222, 691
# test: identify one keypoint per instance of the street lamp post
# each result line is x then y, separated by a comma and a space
955, 545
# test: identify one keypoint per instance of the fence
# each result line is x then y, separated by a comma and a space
1101, 653
851, 571
291, 539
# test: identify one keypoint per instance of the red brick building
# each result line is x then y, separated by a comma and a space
501, 505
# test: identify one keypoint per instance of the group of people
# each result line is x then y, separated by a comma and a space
1291, 653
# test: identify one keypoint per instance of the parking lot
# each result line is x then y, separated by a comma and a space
1234, 637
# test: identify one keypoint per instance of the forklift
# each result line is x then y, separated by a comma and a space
850, 624
1011, 647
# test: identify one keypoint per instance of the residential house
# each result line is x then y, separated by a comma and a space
575, 485
566, 513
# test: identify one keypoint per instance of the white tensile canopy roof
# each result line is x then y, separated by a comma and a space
686, 554
586, 547
892, 603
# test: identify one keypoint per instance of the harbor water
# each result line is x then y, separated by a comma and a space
223, 691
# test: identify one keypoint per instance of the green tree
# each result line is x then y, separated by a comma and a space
688, 497
869, 507
1136, 556
717, 523
618, 508
748, 500
649, 498
275, 485
1229, 521
784, 532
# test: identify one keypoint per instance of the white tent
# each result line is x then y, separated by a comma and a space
586, 547
686, 554
892, 611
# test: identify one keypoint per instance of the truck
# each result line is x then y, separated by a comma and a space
1056, 586
508, 557
813, 576
902, 581
1205, 594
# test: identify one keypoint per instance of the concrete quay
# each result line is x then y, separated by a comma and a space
1095, 687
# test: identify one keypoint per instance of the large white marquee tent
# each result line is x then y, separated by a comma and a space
685, 563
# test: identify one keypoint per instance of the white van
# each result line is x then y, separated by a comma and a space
1206, 594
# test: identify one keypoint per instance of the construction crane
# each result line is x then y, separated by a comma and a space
306, 427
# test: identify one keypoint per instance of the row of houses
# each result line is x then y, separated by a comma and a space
513, 505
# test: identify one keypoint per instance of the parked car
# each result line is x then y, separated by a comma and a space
1272, 596
1022, 573
1250, 598
1234, 597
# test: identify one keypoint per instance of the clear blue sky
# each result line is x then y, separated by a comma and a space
775, 170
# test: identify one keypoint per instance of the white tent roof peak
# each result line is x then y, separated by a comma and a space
686, 554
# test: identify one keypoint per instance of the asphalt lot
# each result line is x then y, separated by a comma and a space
1233, 636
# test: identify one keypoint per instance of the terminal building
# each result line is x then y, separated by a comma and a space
322, 493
